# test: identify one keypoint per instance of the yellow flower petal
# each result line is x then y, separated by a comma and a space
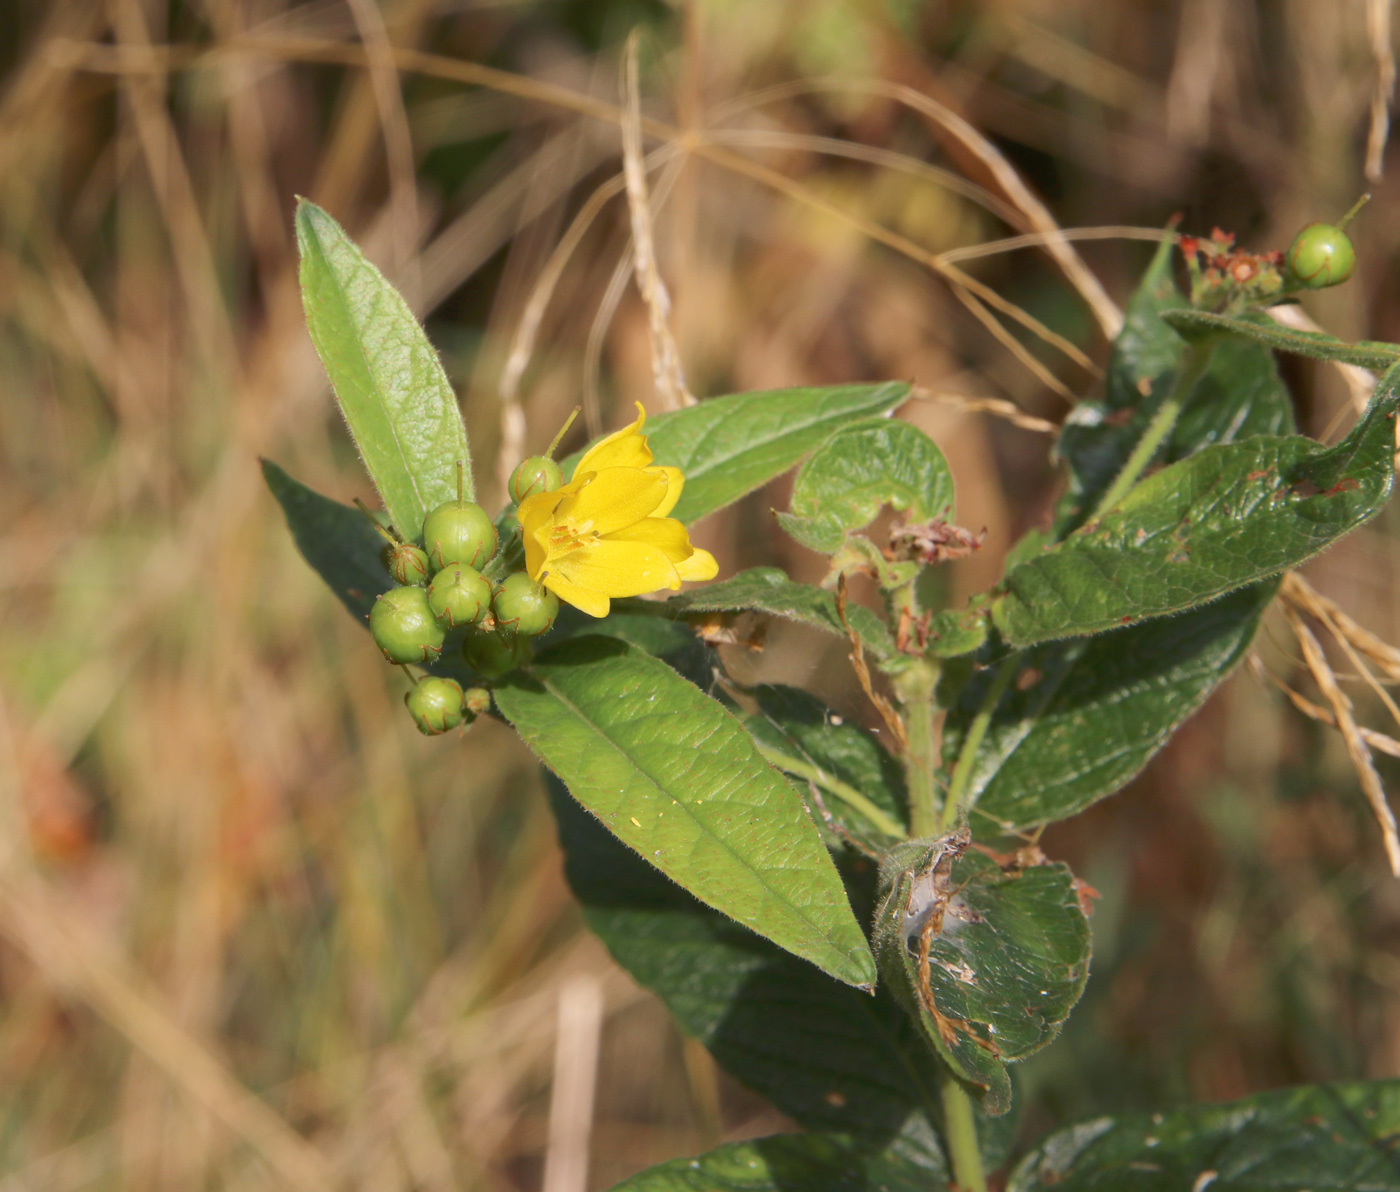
674, 483
626, 448
614, 498
616, 568
700, 565
584, 599
666, 534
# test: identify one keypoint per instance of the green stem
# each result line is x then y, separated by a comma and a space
919, 762
880, 820
1192, 369
960, 1134
962, 771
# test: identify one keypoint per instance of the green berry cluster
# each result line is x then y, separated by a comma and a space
443, 592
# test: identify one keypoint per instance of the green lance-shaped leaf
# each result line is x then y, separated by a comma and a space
827, 1055
395, 397
859, 470
1225, 517
1258, 328
1241, 394
1318, 1138
989, 961
1082, 716
790, 1163
337, 540
729, 446
860, 785
768, 590
677, 778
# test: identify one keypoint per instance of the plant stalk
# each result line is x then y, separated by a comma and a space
962, 771
1163, 421
915, 687
960, 1135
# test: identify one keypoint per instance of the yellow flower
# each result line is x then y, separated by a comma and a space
605, 534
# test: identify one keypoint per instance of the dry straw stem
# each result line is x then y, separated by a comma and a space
1298, 591
667, 374
973, 294
1378, 28
996, 406
1360, 382
580, 1025
1346, 723
1377, 740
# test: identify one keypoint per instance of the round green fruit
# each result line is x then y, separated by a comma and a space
404, 628
1321, 255
492, 655
459, 595
525, 607
459, 532
406, 563
435, 705
538, 474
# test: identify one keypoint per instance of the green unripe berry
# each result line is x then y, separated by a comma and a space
491, 655
435, 705
459, 595
404, 627
538, 474
459, 532
525, 607
1321, 255
406, 563
477, 702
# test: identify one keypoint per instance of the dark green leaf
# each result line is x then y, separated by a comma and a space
768, 590
860, 784
860, 469
1088, 713
1241, 394
825, 1054
1225, 517
990, 960
1258, 328
387, 377
337, 540
789, 1163
1320, 1138
677, 778
728, 446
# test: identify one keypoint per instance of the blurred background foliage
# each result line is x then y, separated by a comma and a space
256, 932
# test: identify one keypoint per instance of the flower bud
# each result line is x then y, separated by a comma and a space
406, 563
435, 705
404, 628
459, 596
537, 474
1321, 255
524, 607
491, 655
477, 701
459, 532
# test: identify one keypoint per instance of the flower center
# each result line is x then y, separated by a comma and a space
565, 537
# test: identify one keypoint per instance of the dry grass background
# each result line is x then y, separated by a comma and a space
258, 933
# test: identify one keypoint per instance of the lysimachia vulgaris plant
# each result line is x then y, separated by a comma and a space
859, 925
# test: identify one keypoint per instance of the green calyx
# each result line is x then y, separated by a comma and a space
459, 595
524, 607
404, 628
1321, 255
459, 532
436, 705
537, 474
406, 563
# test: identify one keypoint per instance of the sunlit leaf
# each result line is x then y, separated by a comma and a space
391, 387
676, 777
1259, 328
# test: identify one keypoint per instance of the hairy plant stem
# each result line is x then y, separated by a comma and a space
960, 1136
962, 771
1193, 367
915, 686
